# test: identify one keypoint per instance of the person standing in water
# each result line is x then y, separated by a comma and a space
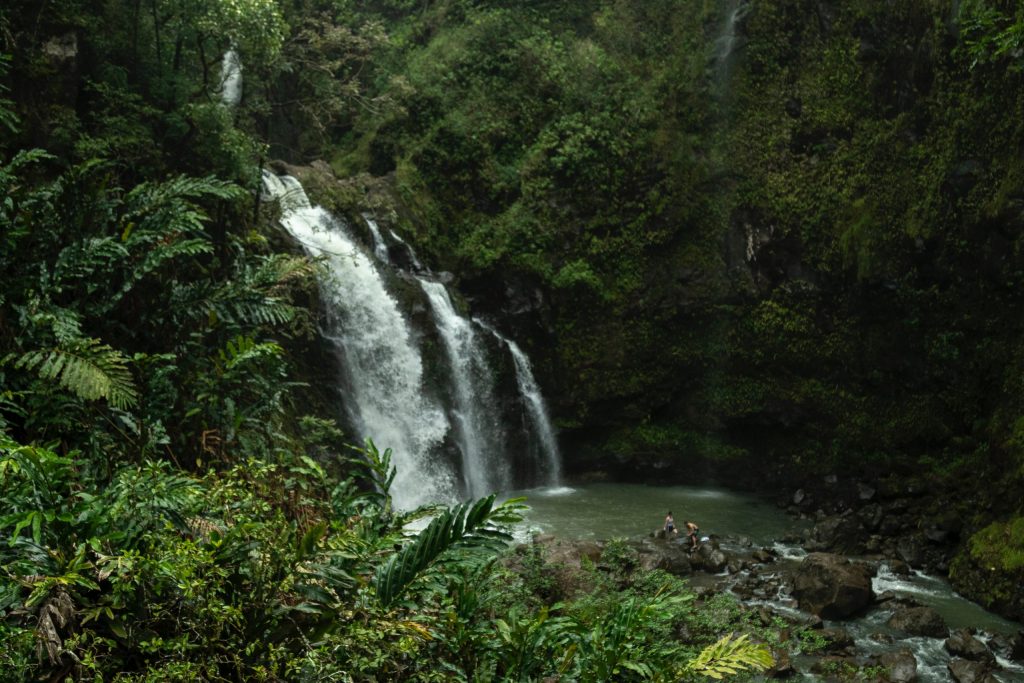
691, 532
670, 524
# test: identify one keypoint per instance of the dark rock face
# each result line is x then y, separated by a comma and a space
843, 534
966, 671
710, 558
900, 666
832, 587
962, 644
919, 621
669, 556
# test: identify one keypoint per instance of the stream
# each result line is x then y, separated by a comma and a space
605, 511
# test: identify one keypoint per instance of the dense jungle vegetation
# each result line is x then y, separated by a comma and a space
788, 239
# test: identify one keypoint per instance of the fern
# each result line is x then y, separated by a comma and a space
463, 526
729, 656
88, 368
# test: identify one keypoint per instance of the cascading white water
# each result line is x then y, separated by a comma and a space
537, 410
726, 41
479, 429
380, 248
231, 79
412, 254
384, 370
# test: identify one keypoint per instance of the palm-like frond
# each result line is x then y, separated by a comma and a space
729, 656
88, 368
467, 525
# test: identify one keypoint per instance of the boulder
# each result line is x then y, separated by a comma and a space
900, 666
839, 640
783, 667
710, 559
911, 550
962, 644
832, 587
919, 621
667, 556
967, 671
844, 534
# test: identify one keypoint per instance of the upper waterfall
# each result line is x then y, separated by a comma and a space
382, 365
231, 79
380, 248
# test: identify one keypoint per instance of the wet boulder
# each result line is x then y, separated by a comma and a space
900, 666
844, 534
783, 667
919, 621
962, 644
832, 587
839, 640
667, 556
967, 671
710, 558
1010, 646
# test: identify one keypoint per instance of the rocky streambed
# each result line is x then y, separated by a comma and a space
863, 574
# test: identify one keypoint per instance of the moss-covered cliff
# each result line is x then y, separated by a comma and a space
785, 228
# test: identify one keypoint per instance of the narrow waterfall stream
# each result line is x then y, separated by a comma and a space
380, 248
478, 426
537, 411
383, 367
231, 79
384, 383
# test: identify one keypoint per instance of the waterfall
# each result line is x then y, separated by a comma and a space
726, 41
412, 254
380, 248
478, 426
536, 409
385, 393
386, 397
231, 79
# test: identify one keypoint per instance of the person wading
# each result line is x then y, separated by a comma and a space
670, 524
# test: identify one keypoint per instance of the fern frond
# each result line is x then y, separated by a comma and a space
88, 368
463, 526
729, 656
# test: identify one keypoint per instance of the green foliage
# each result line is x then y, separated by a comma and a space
469, 525
992, 34
729, 656
88, 368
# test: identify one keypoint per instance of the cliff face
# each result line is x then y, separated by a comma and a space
758, 239
781, 229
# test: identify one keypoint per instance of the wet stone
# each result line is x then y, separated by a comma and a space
919, 621
900, 666
967, 671
962, 644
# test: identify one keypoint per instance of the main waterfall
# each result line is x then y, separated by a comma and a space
384, 384
383, 368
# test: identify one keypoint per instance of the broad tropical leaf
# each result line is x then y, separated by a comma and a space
729, 656
467, 525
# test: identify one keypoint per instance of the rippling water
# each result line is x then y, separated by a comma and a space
603, 511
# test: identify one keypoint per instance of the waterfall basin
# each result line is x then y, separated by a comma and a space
605, 511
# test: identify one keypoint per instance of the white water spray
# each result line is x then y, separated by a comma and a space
536, 409
380, 248
386, 398
231, 79
480, 435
